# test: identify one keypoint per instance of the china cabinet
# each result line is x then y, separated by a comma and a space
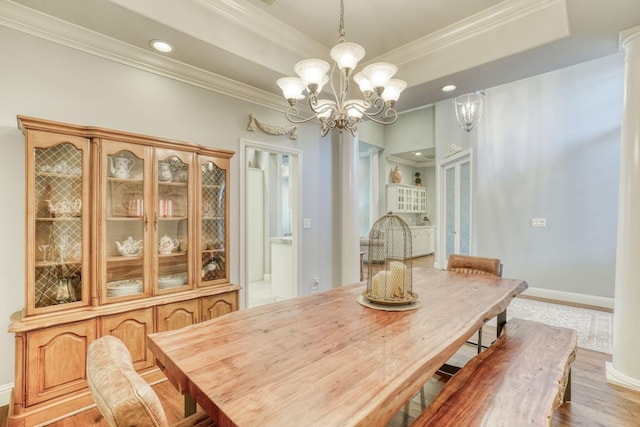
126, 235
406, 198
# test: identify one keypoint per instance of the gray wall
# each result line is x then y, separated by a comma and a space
42, 79
548, 147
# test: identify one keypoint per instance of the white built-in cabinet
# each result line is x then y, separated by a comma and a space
422, 240
406, 198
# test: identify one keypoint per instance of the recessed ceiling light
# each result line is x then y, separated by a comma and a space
418, 153
161, 46
448, 88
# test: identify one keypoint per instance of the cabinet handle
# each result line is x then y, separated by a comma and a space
146, 221
155, 221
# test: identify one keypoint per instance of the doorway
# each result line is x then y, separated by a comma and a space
270, 209
455, 206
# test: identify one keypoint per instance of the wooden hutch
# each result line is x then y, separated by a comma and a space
125, 235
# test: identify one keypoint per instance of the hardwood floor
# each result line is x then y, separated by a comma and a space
594, 402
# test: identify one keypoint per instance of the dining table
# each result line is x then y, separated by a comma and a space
325, 359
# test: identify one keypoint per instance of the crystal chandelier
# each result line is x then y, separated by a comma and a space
469, 109
380, 91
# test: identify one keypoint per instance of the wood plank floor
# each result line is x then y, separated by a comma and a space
594, 402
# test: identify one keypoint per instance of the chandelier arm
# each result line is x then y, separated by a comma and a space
392, 114
291, 114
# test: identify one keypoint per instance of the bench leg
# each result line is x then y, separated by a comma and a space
502, 320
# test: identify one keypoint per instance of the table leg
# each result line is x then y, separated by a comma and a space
189, 405
502, 320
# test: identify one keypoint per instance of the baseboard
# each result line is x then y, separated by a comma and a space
570, 297
5, 394
618, 378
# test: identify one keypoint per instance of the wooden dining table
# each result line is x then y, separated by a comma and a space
324, 359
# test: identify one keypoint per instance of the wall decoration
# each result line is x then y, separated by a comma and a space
271, 129
453, 150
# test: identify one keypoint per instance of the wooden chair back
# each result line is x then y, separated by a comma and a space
468, 264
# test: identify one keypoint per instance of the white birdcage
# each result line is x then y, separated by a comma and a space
389, 280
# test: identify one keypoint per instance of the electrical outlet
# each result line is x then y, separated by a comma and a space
538, 222
314, 282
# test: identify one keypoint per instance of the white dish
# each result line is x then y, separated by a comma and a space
120, 288
172, 281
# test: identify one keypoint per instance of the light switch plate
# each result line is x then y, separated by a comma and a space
306, 223
538, 222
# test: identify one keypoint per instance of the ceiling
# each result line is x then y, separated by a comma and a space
241, 47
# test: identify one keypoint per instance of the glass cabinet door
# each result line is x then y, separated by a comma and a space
212, 214
173, 210
126, 222
57, 222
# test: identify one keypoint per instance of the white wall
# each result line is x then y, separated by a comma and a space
414, 130
548, 147
41, 79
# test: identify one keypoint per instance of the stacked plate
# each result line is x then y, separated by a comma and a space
122, 288
172, 281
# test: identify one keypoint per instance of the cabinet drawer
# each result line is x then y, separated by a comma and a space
57, 359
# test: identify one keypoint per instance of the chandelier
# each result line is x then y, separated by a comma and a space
469, 109
380, 91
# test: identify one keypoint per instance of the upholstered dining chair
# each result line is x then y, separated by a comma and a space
123, 397
482, 266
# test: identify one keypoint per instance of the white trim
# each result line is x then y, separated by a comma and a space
620, 379
489, 19
441, 232
296, 217
5, 394
593, 300
423, 164
23, 19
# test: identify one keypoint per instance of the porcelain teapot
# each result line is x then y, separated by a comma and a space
129, 247
166, 245
121, 166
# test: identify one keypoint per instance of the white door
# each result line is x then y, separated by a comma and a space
455, 206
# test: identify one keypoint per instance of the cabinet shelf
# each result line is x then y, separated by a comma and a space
59, 175
58, 219
172, 184
173, 254
43, 264
129, 180
124, 259
124, 218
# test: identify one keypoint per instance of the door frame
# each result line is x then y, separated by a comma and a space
296, 203
458, 158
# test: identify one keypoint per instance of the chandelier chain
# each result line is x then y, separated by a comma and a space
341, 33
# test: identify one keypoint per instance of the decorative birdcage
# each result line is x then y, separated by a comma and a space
389, 280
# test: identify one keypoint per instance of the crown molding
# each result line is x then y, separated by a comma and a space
492, 18
266, 26
44, 26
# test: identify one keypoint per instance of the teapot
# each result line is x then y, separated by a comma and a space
129, 247
65, 209
121, 166
166, 245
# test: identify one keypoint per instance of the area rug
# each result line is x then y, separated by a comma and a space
594, 327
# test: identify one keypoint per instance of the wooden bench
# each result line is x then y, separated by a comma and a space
518, 381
